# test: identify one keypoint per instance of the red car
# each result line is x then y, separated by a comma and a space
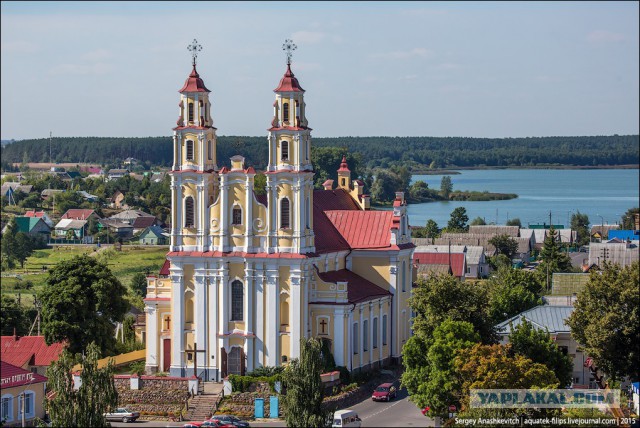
384, 392
213, 422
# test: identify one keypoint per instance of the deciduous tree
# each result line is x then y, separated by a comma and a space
81, 301
446, 187
504, 245
628, 219
580, 223
139, 284
514, 222
606, 320
512, 291
478, 221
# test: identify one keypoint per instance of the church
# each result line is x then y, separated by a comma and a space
249, 275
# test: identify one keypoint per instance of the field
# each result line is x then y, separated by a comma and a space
124, 264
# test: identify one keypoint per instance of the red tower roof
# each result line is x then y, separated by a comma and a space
343, 165
194, 83
289, 83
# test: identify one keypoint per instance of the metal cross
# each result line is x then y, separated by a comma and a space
323, 323
289, 47
194, 47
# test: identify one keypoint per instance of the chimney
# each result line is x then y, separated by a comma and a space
400, 197
328, 185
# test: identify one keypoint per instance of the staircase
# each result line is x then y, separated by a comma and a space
201, 407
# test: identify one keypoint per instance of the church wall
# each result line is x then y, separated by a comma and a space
375, 269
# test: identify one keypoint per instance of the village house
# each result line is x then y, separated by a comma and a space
30, 353
34, 227
114, 174
80, 214
23, 394
613, 251
40, 214
154, 235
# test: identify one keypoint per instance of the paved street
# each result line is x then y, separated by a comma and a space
398, 413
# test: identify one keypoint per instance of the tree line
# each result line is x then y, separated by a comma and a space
416, 152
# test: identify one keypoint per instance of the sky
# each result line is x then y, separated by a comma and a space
469, 69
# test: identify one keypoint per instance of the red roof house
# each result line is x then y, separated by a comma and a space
79, 214
29, 352
433, 263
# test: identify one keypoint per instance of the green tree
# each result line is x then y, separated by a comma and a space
538, 346
303, 400
580, 223
430, 378
478, 221
442, 297
628, 219
139, 284
419, 190
553, 258
512, 291
385, 186
606, 320
458, 220
431, 230
514, 222
81, 301
446, 187
15, 316
260, 184
86, 406
505, 244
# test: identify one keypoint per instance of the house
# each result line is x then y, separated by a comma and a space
130, 161
29, 352
613, 251
80, 214
625, 235
431, 263
524, 248
122, 228
47, 194
9, 188
88, 197
154, 235
566, 236
475, 260
601, 232
32, 226
115, 174
138, 219
78, 227
468, 239
493, 230
276, 268
20, 388
553, 320
40, 214
117, 199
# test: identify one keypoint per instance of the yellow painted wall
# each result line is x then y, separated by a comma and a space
285, 346
375, 269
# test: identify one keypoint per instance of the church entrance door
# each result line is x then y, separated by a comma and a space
166, 348
235, 361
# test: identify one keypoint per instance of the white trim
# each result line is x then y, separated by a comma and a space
32, 413
9, 416
318, 325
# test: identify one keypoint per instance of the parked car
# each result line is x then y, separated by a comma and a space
216, 423
122, 414
345, 419
384, 392
192, 425
231, 420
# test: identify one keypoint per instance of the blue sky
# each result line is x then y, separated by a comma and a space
476, 69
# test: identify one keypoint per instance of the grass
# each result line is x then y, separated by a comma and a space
124, 264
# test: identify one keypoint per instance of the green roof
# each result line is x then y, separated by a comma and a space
25, 224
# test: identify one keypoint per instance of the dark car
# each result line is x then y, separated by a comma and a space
231, 420
384, 392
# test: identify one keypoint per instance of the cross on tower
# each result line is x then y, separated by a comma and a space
194, 47
323, 324
289, 47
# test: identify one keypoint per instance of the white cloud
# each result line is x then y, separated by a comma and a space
97, 55
603, 36
19, 46
82, 69
413, 53
308, 36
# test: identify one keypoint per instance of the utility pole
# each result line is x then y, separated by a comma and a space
50, 157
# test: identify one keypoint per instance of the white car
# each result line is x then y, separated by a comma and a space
122, 414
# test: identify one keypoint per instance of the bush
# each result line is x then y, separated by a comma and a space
242, 383
351, 387
345, 376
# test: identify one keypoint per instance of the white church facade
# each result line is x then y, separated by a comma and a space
247, 276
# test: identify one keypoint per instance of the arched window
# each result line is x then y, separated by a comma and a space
209, 150
285, 112
237, 301
285, 150
189, 150
344, 181
384, 330
284, 312
403, 276
188, 307
365, 335
284, 213
189, 212
308, 214
375, 333
6, 413
190, 112
237, 215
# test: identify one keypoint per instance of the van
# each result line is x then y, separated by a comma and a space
346, 418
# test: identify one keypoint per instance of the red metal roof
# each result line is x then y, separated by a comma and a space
13, 376
336, 199
457, 261
289, 83
343, 165
38, 214
30, 350
358, 288
78, 214
164, 270
194, 83
143, 222
363, 229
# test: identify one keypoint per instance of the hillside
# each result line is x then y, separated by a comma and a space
419, 152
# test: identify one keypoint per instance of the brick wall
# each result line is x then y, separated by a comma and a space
158, 396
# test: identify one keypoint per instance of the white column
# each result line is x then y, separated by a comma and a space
213, 322
306, 284
248, 215
295, 210
370, 333
178, 213
350, 340
177, 324
394, 331
248, 311
294, 314
200, 219
224, 300
338, 336
152, 338
179, 162
201, 313
224, 228
176, 157
260, 324
272, 330
360, 337
381, 357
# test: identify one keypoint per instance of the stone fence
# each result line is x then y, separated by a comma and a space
155, 397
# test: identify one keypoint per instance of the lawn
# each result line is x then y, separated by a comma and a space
124, 264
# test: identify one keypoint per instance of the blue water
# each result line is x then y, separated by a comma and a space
603, 194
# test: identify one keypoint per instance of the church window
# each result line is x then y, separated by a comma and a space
365, 335
384, 330
237, 301
190, 112
285, 150
375, 333
403, 276
237, 215
285, 112
205, 112
308, 213
284, 313
189, 212
209, 150
284, 213
189, 150
355, 338
7, 408
344, 181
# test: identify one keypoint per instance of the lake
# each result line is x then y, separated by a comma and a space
603, 194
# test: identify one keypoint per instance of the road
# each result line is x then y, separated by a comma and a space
397, 413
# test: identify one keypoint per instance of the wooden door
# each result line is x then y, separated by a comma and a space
223, 362
166, 348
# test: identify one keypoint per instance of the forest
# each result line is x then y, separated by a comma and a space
416, 153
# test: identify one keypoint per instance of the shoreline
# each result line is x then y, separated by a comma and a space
452, 170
